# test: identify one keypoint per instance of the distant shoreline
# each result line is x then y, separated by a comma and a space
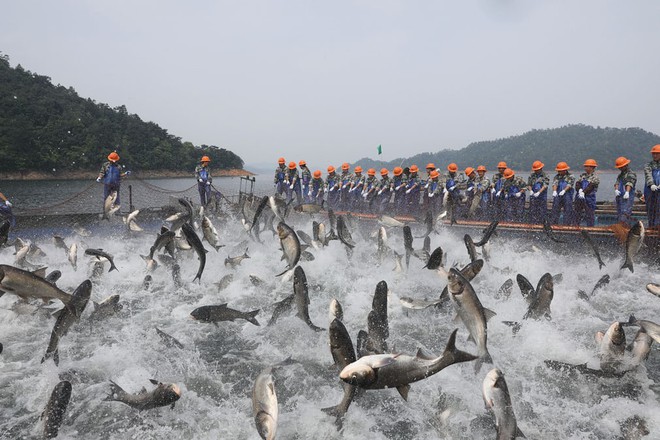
146, 174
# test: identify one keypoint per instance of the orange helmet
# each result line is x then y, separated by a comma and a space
508, 173
302, 162
398, 171
292, 165
358, 169
414, 169
621, 162
331, 169
469, 170
345, 166
656, 149
537, 165
371, 172
113, 156
481, 168
430, 166
281, 160
562, 166
434, 174
452, 167
501, 165
384, 172
590, 163
317, 174
205, 159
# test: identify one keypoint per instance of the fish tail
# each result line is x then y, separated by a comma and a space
250, 317
338, 413
456, 354
628, 265
115, 393
113, 267
486, 358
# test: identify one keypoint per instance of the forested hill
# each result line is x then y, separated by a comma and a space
44, 127
572, 144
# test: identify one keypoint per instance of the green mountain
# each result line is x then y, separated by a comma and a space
44, 127
572, 144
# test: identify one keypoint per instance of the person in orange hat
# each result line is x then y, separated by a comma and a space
514, 189
315, 194
399, 182
434, 192
425, 185
111, 175
370, 190
470, 189
652, 188
538, 183
385, 190
6, 214
453, 182
584, 206
483, 188
305, 179
497, 208
204, 179
413, 187
280, 177
345, 180
332, 188
562, 195
292, 179
355, 189
624, 190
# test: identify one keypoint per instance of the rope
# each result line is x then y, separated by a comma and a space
61, 203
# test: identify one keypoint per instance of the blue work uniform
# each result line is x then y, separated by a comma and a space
345, 181
399, 193
624, 206
434, 192
355, 195
293, 181
204, 179
453, 183
564, 202
413, 188
483, 190
514, 199
306, 178
384, 194
497, 208
6, 213
315, 193
279, 180
584, 209
369, 193
332, 189
538, 205
652, 198
111, 177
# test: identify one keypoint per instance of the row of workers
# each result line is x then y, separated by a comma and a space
472, 194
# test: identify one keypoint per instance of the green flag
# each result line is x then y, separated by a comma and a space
380, 149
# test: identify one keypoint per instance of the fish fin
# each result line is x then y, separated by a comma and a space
422, 354
471, 339
41, 272
285, 271
519, 433
336, 412
489, 313
384, 361
628, 265
250, 317
403, 390
458, 355
456, 319
154, 381
57, 313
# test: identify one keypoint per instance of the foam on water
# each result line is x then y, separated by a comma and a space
218, 365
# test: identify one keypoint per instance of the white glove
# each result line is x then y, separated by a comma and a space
364, 196
200, 180
492, 190
7, 203
208, 183
309, 194
562, 192
451, 188
397, 188
536, 194
617, 192
98, 179
351, 190
518, 194
626, 195
554, 194
530, 192
654, 187
471, 188
426, 186
444, 190
498, 193
331, 189
408, 191
380, 192
127, 173
291, 186
431, 195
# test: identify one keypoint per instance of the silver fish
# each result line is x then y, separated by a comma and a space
264, 405
612, 346
634, 242
162, 395
290, 246
29, 284
53, 415
498, 400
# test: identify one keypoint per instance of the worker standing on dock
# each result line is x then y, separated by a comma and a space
435, 192
385, 189
293, 180
538, 183
355, 190
624, 191
471, 191
111, 175
514, 189
332, 188
315, 194
652, 188
280, 176
562, 194
585, 201
425, 185
497, 208
413, 188
369, 190
399, 182
344, 181
483, 188
453, 183
305, 178
5, 210
204, 179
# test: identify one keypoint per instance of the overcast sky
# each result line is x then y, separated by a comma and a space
329, 81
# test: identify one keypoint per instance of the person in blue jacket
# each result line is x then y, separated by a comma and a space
332, 188
315, 193
399, 182
280, 176
305, 179
514, 196
111, 175
624, 191
497, 206
385, 190
562, 194
413, 188
5, 210
652, 188
538, 183
453, 184
435, 191
585, 201
292, 179
345, 180
204, 180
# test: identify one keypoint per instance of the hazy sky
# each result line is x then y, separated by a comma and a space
329, 81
